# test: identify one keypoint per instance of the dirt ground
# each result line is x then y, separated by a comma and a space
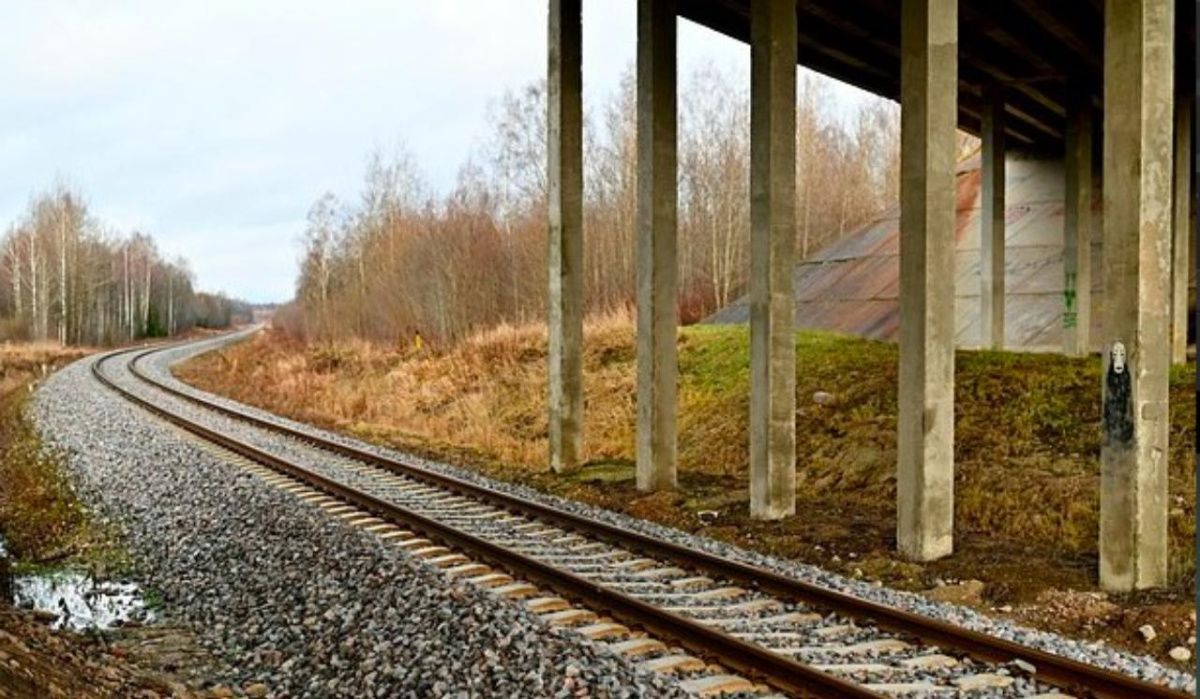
1024, 424
38, 663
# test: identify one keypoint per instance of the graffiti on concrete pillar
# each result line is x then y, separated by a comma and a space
1070, 317
1118, 399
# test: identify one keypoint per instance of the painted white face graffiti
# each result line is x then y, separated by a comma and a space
1118, 357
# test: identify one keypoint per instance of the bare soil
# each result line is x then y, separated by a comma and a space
146, 663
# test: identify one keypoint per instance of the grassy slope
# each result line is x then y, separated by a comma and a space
1025, 424
1027, 452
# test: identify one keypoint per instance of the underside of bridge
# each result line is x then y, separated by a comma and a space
1094, 82
1047, 53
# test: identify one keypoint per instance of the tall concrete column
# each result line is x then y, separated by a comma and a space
657, 310
991, 220
1138, 117
1181, 228
772, 249
929, 114
565, 154
1077, 230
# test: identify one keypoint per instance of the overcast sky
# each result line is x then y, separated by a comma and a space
214, 125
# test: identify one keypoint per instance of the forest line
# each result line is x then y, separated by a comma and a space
66, 277
401, 261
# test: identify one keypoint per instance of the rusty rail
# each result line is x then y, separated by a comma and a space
1069, 675
750, 660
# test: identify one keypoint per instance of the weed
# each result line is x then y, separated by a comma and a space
1026, 448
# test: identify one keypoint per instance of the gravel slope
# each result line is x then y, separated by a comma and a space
284, 595
1095, 653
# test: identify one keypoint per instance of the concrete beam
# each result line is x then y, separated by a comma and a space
657, 310
929, 89
565, 154
991, 222
1181, 228
1077, 230
1138, 116
772, 250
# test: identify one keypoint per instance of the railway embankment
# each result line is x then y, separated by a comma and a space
1026, 424
288, 600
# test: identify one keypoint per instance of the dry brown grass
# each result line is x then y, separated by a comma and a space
23, 362
40, 514
487, 394
1025, 423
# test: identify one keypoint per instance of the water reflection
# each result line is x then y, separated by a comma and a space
79, 601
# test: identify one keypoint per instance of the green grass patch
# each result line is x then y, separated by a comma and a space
41, 516
1025, 424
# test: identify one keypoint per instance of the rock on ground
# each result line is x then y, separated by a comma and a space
288, 598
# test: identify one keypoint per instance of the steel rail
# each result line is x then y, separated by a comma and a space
1066, 674
751, 660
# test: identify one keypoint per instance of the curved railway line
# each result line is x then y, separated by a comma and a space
720, 624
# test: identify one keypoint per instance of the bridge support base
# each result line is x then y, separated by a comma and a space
657, 309
1138, 119
929, 90
772, 246
565, 123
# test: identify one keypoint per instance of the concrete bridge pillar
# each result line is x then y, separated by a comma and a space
929, 111
657, 310
564, 87
1181, 260
991, 219
1138, 117
772, 249
1077, 229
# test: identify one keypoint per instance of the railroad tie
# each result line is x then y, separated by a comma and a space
717, 685
935, 661
671, 664
987, 680
542, 605
604, 631
493, 580
638, 647
468, 570
569, 617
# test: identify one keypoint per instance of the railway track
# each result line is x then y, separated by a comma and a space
721, 625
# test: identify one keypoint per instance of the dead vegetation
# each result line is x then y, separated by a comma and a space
40, 514
1027, 446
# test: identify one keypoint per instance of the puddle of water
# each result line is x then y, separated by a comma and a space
79, 601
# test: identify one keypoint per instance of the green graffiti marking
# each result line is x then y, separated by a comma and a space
1069, 315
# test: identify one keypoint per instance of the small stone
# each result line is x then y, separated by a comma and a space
822, 398
1180, 654
1148, 633
220, 692
1026, 667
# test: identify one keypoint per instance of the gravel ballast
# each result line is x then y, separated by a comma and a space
1094, 653
289, 598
